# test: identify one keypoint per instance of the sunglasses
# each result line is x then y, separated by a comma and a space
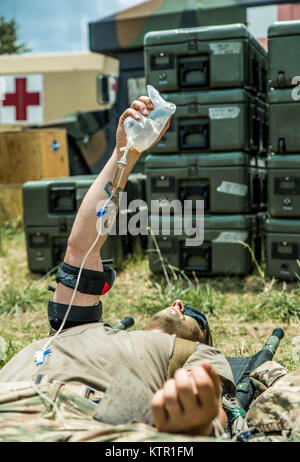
201, 320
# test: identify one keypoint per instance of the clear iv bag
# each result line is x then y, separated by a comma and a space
143, 133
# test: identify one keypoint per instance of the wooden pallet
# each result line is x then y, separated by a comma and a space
33, 154
11, 202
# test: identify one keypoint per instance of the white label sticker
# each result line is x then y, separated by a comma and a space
228, 112
226, 48
236, 189
232, 237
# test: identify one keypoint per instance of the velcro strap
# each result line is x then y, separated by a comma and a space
78, 314
91, 282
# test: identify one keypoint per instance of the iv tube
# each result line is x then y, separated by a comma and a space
116, 182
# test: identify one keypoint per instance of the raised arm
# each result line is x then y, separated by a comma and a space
84, 230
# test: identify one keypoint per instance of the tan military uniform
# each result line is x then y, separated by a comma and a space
91, 354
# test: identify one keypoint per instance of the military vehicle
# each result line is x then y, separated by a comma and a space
91, 134
38, 88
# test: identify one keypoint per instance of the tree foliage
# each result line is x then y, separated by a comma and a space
9, 38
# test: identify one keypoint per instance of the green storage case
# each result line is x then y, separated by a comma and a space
261, 164
53, 202
212, 121
284, 53
259, 239
205, 58
261, 120
139, 166
46, 247
284, 112
221, 252
50, 208
282, 246
284, 185
226, 182
136, 191
135, 187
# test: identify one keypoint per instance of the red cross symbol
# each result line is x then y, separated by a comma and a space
21, 99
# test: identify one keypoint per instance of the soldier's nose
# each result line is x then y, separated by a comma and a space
179, 305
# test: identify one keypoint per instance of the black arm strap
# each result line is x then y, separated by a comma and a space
78, 314
91, 282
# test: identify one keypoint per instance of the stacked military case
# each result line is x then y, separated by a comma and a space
215, 147
50, 207
282, 229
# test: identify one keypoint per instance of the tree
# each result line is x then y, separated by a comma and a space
8, 38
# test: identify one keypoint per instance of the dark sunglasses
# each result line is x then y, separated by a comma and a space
201, 320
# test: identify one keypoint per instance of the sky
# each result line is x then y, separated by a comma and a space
51, 26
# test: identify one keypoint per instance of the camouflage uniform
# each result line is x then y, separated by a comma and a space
55, 411
275, 413
52, 411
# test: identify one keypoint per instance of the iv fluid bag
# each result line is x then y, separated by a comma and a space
144, 132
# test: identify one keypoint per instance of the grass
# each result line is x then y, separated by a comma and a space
242, 312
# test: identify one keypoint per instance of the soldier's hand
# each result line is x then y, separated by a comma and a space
189, 402
143, 106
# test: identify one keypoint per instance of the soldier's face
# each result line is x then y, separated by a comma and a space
172, 320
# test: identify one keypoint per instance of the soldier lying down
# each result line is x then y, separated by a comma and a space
173, 355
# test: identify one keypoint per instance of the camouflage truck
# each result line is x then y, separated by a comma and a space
91, 134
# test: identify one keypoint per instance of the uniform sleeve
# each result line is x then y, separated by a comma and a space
218, 361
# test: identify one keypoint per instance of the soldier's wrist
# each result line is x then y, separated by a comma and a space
131, 158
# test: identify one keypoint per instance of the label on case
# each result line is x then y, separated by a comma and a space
228, 112
232, 237
226, 48
236, 189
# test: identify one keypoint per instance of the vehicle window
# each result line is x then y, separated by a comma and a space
107, 88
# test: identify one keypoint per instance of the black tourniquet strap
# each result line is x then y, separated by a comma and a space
91, 282
78, 314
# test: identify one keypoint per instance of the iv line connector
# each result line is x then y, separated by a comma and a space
122, 162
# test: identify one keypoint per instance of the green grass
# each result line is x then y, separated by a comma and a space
15, 299
242, 312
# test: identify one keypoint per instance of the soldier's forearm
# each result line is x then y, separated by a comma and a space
84, 230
